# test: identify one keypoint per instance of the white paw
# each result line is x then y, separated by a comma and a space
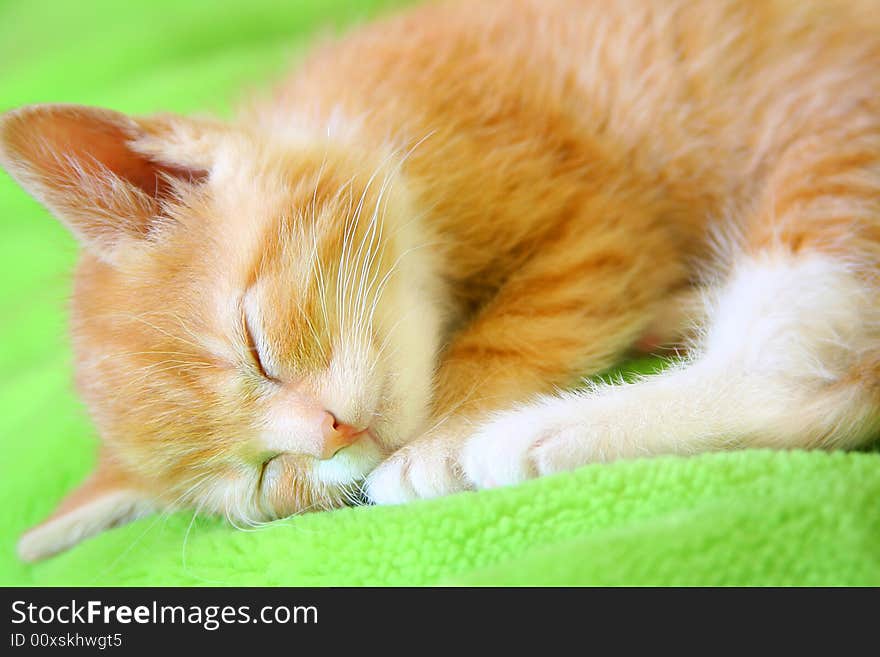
526, 443
424, 469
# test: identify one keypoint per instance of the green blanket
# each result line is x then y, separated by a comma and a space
745, 518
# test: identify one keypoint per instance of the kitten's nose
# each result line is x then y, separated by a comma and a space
337, 435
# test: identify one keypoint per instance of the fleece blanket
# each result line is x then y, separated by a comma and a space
755, 518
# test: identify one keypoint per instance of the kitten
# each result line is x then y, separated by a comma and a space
386, 272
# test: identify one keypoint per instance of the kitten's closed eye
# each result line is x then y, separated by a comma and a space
258, 356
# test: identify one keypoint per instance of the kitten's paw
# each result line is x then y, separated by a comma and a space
523, 444
424, 469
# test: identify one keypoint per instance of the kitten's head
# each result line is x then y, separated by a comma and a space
249, 318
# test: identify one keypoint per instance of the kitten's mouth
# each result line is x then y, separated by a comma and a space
354, 462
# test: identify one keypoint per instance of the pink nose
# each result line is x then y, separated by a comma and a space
337, 435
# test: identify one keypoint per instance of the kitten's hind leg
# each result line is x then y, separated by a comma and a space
789, 358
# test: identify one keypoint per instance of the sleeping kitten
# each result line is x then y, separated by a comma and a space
386, 272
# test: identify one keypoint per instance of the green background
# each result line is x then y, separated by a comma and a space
744, 518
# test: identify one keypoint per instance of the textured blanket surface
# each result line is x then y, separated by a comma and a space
743, 518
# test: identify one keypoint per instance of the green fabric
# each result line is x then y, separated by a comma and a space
744, 518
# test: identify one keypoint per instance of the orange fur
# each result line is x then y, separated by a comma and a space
545, 177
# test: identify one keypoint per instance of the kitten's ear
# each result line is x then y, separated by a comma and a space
102, 173
107, 498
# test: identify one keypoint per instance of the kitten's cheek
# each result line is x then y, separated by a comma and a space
394, 430
388, 439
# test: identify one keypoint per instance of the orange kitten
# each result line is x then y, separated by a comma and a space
443, 219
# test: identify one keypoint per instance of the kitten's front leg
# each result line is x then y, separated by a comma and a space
562, 433
787, 361
568, 312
